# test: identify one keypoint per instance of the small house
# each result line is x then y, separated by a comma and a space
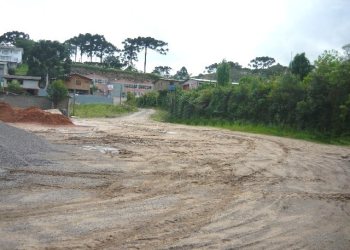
79, 84
31, 84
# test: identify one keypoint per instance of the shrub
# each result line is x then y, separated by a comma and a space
14, 87
57, 91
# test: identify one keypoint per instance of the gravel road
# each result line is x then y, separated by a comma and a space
133, 183
20, 148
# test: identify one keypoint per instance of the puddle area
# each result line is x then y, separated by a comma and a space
102, 149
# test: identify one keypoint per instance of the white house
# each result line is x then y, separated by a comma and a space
28, 83
11, 55
3, 72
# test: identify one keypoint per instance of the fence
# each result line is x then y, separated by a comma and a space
91, 99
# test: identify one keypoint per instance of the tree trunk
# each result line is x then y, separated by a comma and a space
144, 66
76, 52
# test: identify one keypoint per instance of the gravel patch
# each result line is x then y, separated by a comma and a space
20, 148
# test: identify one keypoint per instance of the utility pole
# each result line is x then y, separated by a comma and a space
74, 101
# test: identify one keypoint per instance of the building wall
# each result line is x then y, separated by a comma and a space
137, 88
30, 84
163, 84
76, 82
32, 101
91, 99
11, 54
3, 71
190, 84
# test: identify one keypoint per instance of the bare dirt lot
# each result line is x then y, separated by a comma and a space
133, 183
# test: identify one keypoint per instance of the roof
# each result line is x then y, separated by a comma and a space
82, 76
169, 80
202, 80
3, 46
93, 76
13, 77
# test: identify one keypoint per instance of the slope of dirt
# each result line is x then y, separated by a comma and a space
132, 183
31, 115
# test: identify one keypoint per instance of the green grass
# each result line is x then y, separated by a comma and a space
160, 116
101, 110
22, 70
163, 116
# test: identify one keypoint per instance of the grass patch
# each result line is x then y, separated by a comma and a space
163, 116
21, 70
102, 110
160, 115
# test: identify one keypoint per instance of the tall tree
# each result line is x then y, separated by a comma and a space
27, 46
104, 48
162, 70
153, 44
224, 73
130, 51
11, 37
73, 46
211, 68
182, 74
300, 65
262, 62
81, 44
89, 44
49, 57
346, 49
112, 61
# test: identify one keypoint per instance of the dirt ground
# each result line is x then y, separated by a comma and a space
132, 183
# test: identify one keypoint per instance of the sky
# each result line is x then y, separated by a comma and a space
198, 32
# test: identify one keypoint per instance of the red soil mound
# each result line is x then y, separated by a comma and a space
31, 115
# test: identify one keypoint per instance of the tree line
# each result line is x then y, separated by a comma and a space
304, 97
54, 58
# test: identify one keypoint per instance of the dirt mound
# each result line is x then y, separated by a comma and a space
31, 115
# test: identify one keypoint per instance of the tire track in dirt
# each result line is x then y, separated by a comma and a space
179, 187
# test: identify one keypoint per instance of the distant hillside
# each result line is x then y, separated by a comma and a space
238, 73
85, 69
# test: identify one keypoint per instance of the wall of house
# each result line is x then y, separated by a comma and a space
11, 54
190, 84
30, 84
163, 84
78, 83
32, 101
137, 89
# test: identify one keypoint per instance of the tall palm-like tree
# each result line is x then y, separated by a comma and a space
153, 44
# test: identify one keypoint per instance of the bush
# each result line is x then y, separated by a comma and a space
14, 87
57, 91
131, 99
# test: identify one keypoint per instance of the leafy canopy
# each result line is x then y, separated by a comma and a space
12, 36
224, 73
57, 91
300, 65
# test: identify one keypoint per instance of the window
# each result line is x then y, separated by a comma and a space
145, 87
77, 82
